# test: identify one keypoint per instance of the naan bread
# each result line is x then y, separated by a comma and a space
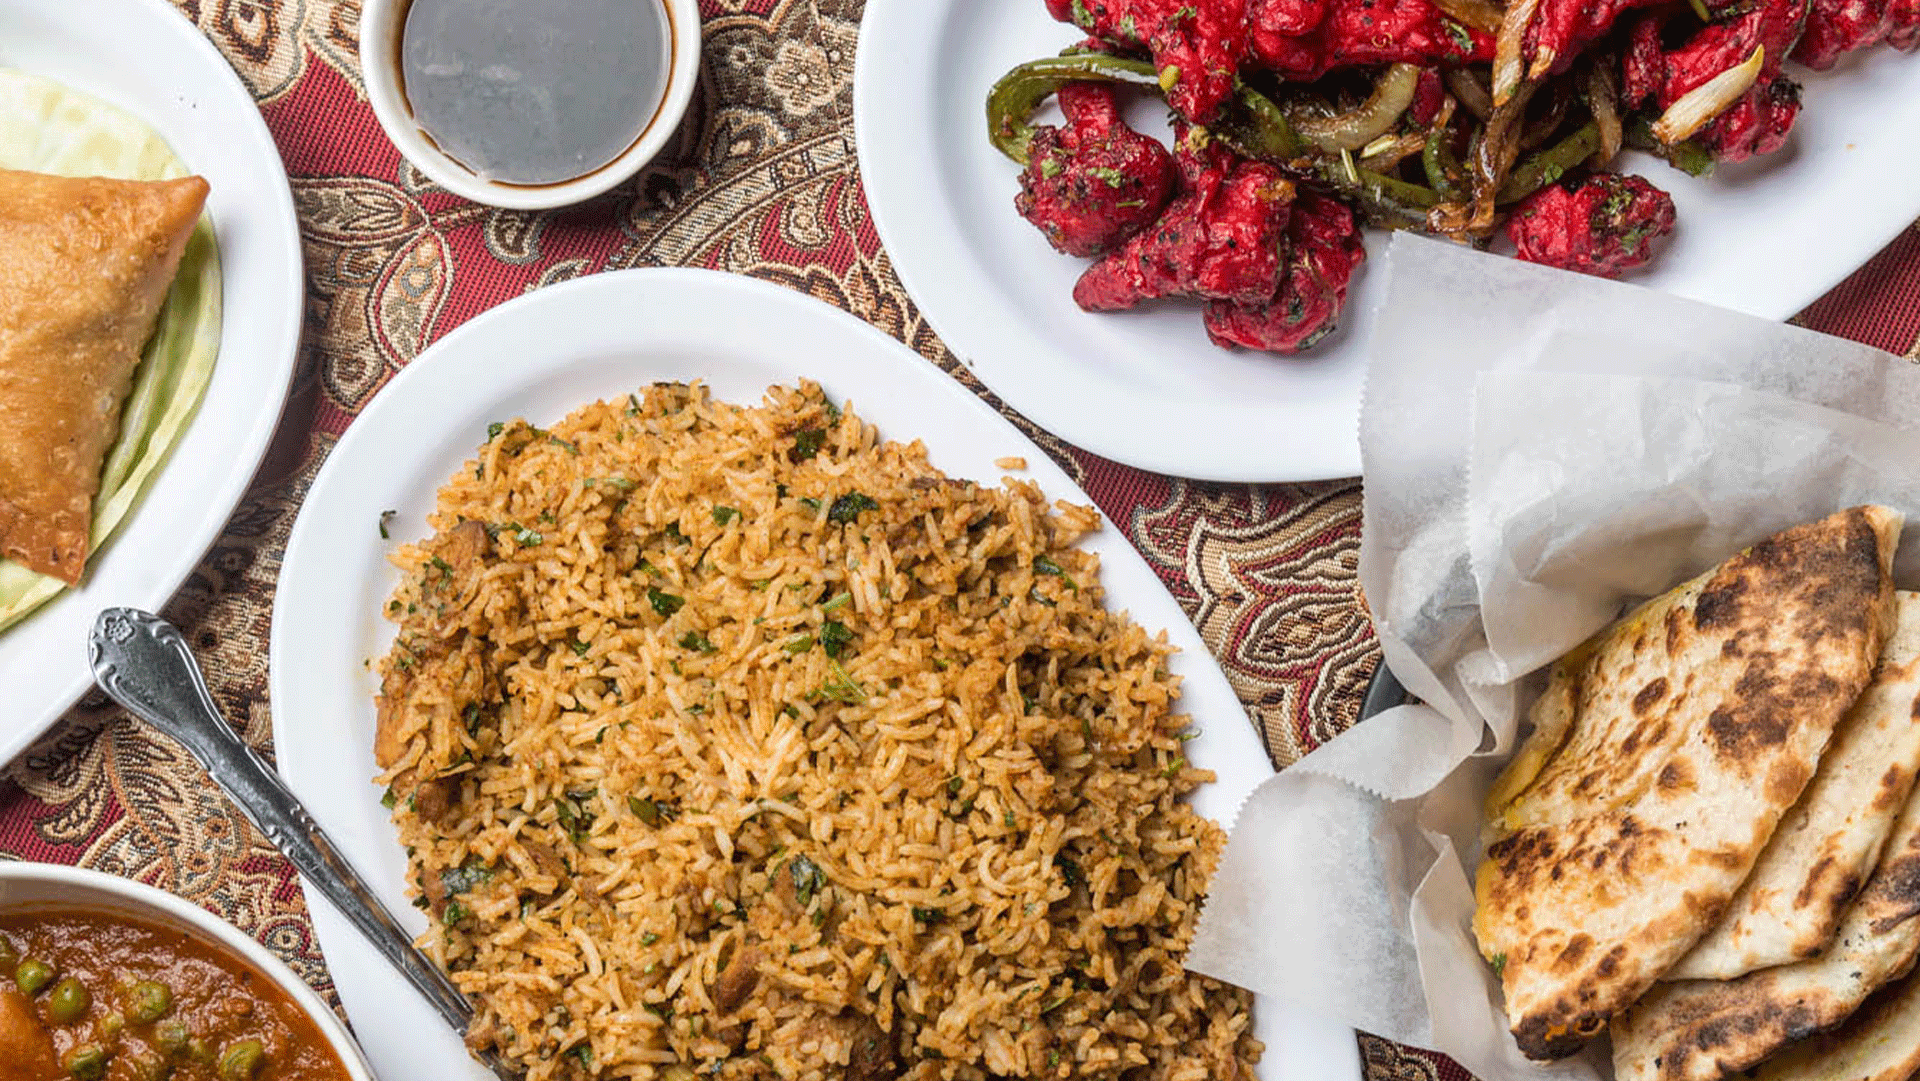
1664, 753
1703, 1030
84, 266
1825, 847
1880, 1042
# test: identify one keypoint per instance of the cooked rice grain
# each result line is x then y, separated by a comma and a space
734, 742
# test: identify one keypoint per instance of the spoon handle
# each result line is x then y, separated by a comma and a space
142, 662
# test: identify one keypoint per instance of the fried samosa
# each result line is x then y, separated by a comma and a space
1664, 752
85, 264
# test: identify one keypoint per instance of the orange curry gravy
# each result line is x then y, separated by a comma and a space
98, 996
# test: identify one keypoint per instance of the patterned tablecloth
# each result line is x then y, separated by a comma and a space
762, 181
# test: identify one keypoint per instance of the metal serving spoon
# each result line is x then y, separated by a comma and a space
142, 662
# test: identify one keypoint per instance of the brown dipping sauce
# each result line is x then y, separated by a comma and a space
131, 1001
533, 94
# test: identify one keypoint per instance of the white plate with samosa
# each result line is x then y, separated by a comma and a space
150, 306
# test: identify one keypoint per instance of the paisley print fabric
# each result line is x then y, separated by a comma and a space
761, 181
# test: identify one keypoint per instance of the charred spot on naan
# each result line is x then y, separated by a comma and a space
1530, 856
1760, 1019
1894, 787
1650, 695
1803, 560
1765, 709
1676, 775
1830, 886
1897, 886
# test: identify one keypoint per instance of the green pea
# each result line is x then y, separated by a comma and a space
198, 1051
148, 1001
112, 1023
171, 1036
88, 1062
33, 975
68, 1002
242, 1059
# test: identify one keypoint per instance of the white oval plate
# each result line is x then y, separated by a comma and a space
540, 357
1148, 389
142, 56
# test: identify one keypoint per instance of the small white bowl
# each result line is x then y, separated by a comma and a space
381, 24
54, 887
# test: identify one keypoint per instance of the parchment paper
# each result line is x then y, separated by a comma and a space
1541, 450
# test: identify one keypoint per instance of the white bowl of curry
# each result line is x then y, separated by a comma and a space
104, 979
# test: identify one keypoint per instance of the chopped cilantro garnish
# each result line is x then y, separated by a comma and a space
723, 515
1044, 565
664, 603
647, 811
848, 507
808, 879
494, 430
696, 641
458, 880
559, 442
838, 600
385, 517
571, 812
807, 443
834, 637
841, 688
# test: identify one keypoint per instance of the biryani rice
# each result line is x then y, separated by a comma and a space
734, 742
